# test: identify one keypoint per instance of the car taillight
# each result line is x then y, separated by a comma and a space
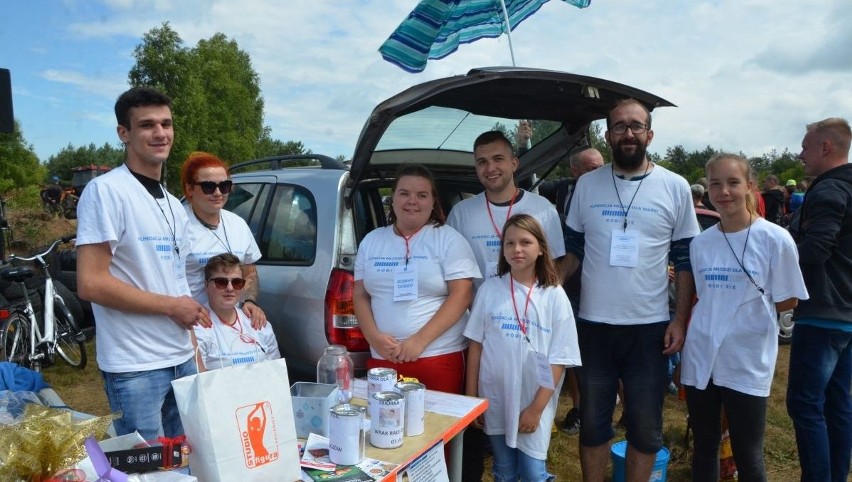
341, 327
4, 314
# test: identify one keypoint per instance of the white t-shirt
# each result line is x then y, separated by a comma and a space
440, 255
507, 369
733, 334
141, 232
232, 235
660, 212
222, 345
470, 218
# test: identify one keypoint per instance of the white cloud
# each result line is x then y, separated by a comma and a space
746, 74
99, 85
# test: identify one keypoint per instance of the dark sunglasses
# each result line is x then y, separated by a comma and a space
222, 283
209, 187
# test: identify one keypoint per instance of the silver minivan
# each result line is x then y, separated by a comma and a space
308, 213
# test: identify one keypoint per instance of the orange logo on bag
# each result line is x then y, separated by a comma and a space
259, 437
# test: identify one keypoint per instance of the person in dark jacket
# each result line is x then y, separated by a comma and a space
818, 389
773, 199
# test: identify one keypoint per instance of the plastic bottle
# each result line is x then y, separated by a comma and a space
336, 368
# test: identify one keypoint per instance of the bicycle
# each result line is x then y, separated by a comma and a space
21, 339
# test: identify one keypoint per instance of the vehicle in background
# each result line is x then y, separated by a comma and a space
83, 174
308, 221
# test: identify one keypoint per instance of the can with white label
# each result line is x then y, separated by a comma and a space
415, 406
380, 380
346, 436
387, 412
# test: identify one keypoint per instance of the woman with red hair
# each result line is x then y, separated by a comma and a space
213, 230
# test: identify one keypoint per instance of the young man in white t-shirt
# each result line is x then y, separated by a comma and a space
131, 255
480, 220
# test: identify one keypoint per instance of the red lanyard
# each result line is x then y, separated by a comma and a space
499, 232
243, 337
521, 322
407, 239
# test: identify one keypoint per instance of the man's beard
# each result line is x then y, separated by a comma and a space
629, 162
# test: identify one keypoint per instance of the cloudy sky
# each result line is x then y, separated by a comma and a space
747, 75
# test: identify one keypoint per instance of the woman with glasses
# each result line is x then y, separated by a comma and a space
213, 230
230, 340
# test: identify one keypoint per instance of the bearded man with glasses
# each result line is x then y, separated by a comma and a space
626, 222
213, 230
231, 340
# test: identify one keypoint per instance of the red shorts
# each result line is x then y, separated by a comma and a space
444, 373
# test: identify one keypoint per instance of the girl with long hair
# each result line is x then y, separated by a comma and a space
522, 336
746, 271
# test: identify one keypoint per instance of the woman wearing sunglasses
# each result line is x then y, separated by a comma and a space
230, 340
213, 230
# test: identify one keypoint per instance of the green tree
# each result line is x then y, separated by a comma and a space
217, 106
19, 164
232, 124
63, 162
268, 147
164, 63
689, 164
785, 165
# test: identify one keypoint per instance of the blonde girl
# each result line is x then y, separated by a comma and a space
522, 336
746, 271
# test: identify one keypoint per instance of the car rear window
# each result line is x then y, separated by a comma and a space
290, 231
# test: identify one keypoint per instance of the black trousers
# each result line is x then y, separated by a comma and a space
473, 457
746, 423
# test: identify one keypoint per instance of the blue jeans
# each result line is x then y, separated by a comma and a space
633, 354
146, 400
513, 465
819, 402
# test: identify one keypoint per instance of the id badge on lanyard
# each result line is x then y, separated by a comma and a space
405, 282
179, 266
543, 371
624, 249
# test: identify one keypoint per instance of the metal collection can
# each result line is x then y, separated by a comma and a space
415, 406
387, 413
346, 435
380, 380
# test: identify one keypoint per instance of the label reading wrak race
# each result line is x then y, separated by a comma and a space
258, 434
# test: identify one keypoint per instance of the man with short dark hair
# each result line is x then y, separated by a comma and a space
820, 376
131, 249
627, 220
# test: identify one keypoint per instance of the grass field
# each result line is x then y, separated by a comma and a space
83, 391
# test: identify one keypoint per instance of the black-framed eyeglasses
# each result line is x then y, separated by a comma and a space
209, 187
222, 283
635, 127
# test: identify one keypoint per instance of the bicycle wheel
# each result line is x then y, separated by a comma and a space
15, 340
69, 339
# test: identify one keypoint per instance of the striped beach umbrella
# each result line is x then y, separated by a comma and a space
435, 28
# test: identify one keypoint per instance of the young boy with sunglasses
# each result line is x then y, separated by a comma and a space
230, 340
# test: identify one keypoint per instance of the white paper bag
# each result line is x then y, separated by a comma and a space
238, 421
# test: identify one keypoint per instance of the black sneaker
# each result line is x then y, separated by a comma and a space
571, 423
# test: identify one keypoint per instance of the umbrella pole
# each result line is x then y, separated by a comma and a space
508, 31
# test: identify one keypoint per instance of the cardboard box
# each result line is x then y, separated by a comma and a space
311, 405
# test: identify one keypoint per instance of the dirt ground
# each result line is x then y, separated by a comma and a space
32, 227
